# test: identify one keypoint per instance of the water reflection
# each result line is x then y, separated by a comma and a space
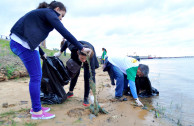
174, 79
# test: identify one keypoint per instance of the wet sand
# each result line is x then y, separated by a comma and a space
72, 112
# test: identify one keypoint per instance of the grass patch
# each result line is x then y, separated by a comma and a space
4, 48
7, 118
13, 123
10, 67
79, 120
7, 113
30, 124
9, 70
24, 110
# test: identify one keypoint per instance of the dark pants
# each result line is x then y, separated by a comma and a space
86, 79
121, 81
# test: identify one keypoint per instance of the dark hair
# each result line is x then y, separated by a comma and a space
104, 49
42, 5
54, 4
144, 69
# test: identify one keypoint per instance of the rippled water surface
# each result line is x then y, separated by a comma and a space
174, 78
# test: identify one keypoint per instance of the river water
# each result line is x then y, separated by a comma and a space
174, 78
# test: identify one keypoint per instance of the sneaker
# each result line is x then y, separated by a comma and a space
86, 102
44, 115
69, 95
120, 98
44, 109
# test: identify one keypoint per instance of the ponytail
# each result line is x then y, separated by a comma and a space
54, 4
42, 5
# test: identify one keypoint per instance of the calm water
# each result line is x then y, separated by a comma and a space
174, 78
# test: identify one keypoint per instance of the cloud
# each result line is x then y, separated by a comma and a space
146, 27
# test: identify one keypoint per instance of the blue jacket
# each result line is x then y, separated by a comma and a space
35, 26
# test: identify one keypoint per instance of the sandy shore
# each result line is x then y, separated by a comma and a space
16, 94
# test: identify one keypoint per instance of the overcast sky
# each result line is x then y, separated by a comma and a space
123, 27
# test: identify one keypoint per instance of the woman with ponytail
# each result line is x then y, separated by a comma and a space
27, 34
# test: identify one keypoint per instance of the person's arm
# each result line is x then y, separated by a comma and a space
134, 92
133, 89
63, 48
56, 23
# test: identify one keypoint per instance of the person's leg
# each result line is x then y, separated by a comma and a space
72, 85
119, 77
73, 82
86, 80
31, 60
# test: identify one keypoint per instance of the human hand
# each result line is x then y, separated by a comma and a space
138, 102
87, 51
58, 54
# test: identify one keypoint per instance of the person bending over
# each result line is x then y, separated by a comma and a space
124, 71
78, 57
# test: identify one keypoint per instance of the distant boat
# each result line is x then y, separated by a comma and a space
149, 57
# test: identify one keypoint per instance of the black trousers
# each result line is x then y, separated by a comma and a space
86, 79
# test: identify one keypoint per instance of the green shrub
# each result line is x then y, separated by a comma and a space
9, 70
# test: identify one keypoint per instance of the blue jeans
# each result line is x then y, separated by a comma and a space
121, 81
31, 60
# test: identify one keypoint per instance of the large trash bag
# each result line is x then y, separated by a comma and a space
143, 84
54, 77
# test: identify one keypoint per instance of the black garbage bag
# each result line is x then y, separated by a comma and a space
143, 84
50, 99
143, 87
145, 94
54, 77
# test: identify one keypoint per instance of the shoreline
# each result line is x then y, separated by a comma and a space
72, 112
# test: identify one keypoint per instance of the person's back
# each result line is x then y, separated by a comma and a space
38, 29
79, 58
74, 54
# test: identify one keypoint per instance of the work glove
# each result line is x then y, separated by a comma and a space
87, 51
138, 102
58, 54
